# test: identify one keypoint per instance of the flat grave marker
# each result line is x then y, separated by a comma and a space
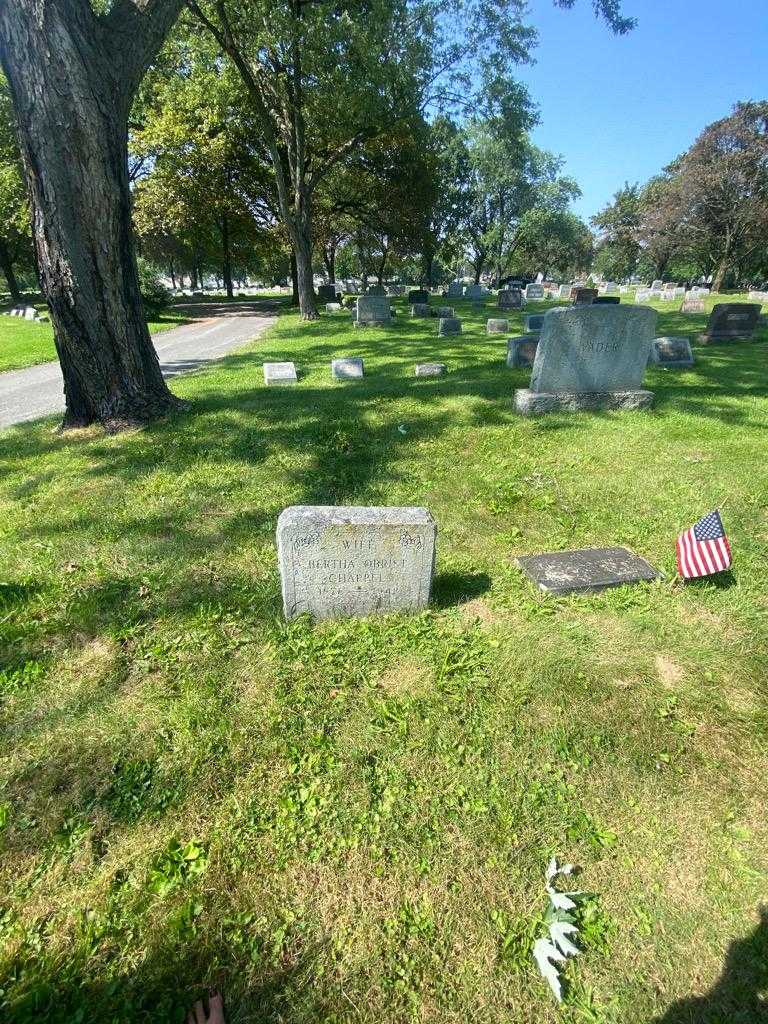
586, 570
280, 373
674, 352
496, 326
347, 368
430, 369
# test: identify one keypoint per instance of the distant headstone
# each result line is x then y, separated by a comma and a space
455, 290
448, 325
350, 561
473, 291
643, 295
348, 368
30, 313
760, 297
377, 289
692, 304
583, 296
610, 288
521, 352
587, 570
430, 369
327, 293
731, 321
534, 322
674, 352
420, 309
590, 357
372, 309
417, 295
656, 286
333, 307
510, 298
441, 311
606, 300
564, 291
280, 373
497, 326
534, 292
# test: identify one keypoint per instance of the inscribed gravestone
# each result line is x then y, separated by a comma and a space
510, 298
674, 352
373, 309
534, 291
586, 570
534, 322
327, 293
417, 295
731, 321
439, 311
448, 325
280, 373
692, 304
345, 560
564, 291
521, 352
347, 368
590, 357
420, 309
497, 326
584, 296
430, 369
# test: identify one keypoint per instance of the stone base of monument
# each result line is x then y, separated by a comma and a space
586, 570
722, 339
538, 403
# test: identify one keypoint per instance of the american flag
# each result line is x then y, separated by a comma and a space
704, 549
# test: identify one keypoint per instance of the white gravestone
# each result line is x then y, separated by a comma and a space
346, 560
30, 313
590, 357
430, 369
564, 291
280, 373
534, 291
349, 368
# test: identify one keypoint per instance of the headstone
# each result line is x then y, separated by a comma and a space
497, 326
448, 325
590, 357
584, 296
280, 373
417, 295
372, 309
333, 307
656, 286
534, 292
731, 321
455, 290
534, 322
420, 309
327, 293
349, 561
348, 368
760, 297
606, 300
440, 311
674, 352
377, 289
692, 304
430, 369
521, 352
610, 288
643, 295
510, 298
564, 291
30, 313
587, 570
473, 291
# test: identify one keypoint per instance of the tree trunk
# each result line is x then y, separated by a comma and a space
226, 267
300, 231
479, 268
72, 114
719, 278
294, 280
6, 263
172, 275
429, 261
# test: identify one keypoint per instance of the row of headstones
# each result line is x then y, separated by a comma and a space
347, 368
27, 313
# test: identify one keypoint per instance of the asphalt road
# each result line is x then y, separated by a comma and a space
217, 329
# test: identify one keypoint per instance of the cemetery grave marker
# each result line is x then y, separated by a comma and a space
586, 571
521, 351
731, 321
347, 368
674, 352
417, 295
280, 373
327, 293
440, 311
455, 290
564, 291
606, 300
430, 369
350, 561
497, 326
377, 289
333, 307
534, 291
420, 309
473, 291
692, 304
590, 357
510, 298
584, 296
372, 309
448, 325
534, 322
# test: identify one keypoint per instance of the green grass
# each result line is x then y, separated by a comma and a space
350, 822
26, 343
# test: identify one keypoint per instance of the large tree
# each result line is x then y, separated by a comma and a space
617, 224
73, 74
15, 243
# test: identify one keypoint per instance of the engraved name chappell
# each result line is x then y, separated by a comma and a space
347, 560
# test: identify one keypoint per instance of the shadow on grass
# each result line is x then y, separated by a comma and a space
739, 995
452, 588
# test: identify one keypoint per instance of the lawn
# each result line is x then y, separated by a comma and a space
351, 821
27, 343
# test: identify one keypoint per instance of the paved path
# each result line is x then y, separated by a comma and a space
217, 329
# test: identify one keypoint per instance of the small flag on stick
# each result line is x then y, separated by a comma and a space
703, 549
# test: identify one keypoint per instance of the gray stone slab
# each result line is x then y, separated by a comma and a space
473, 291
537, 403
420, 309
674, 352
586, 570
350, 561
430, 369
521, 352
373, 309
510, 298
441, 311
494, 326
448, 325
534, 323
564, 291
731, 321
347, 368
606, 300
280, 373
534, 291
327, 293
417, 295
583, 296
333, 307
455, 290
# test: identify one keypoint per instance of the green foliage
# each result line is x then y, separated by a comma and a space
153, 292
175, 865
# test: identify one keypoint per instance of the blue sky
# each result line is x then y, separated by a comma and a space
618, 108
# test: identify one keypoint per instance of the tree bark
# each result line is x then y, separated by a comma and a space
72, 76
719, 278
301, 237
6, 263
294, 280
226, 267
